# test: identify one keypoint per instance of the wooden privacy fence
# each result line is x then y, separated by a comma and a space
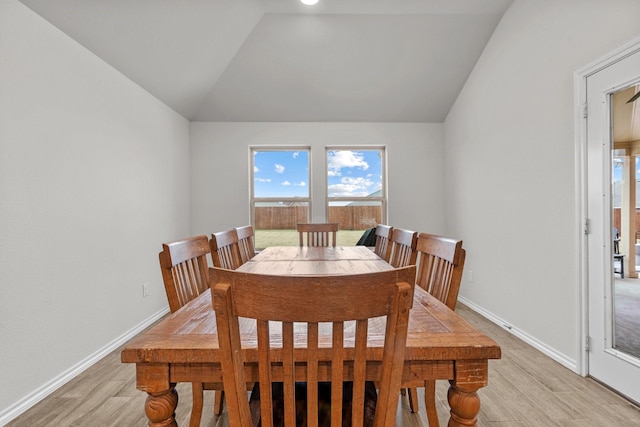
280, 217
355, 217
347, 217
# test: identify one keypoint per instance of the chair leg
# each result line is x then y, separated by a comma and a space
218, 400
198, 401
430, 403
413, 399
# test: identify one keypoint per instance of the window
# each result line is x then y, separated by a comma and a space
280, 194
356, 191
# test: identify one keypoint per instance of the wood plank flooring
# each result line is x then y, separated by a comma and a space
526, 389
627, 316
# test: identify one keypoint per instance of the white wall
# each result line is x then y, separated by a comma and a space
93, 177
510, 163
220, 168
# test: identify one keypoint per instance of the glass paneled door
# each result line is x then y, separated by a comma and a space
612, 122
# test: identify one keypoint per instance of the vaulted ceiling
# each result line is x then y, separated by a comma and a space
278, 60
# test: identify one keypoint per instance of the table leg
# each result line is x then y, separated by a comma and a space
465, 406
470, 375
160, 408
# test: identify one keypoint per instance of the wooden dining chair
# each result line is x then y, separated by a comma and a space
225, 249
402, 247
439, 272
276, 302
246, 243
318, 234
383, 237
185, 273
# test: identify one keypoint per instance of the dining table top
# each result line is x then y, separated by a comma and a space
440, 344
305, 260
190, 333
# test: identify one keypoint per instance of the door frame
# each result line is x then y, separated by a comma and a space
580, 124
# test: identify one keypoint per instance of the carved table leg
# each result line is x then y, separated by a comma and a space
470, 375
465, 406
160, 408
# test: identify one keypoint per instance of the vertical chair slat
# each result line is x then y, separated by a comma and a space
289, 374
312, 374
396, 333
359, 374
264, 369
337, 370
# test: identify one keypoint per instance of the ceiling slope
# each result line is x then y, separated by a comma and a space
277, 60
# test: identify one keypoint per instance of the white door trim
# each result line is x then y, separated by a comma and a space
580, 96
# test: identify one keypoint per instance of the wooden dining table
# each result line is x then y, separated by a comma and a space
183, 347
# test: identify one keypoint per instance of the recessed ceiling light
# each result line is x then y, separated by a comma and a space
309, 2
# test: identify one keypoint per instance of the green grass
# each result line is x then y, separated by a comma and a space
266, 238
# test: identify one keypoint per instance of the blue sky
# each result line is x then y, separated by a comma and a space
617, 168
351, 173
355, 173
281, 173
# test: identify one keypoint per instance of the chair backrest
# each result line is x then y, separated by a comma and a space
440, 265
402, 250
185, 271
383, 237
225, 249
275, 302
246, 243
319, 234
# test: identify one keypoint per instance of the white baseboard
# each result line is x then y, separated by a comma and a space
559, 357
46, 389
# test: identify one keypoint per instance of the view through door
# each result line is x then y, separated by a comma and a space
625, 152
613, 284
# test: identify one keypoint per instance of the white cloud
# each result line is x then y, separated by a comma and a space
351, 187
279, 168
295, 154
255, 169
343, 190
263, 179
345, 159
286, 183
357, 181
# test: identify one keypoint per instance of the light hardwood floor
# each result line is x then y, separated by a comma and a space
526, 389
